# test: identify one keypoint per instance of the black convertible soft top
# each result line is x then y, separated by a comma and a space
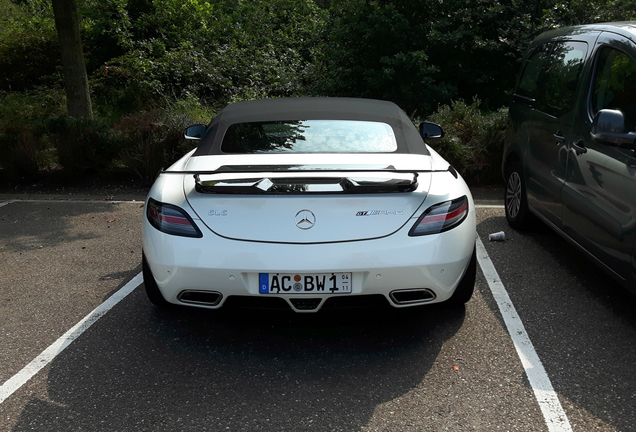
289, 109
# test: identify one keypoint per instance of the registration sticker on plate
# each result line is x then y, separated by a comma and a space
315, 283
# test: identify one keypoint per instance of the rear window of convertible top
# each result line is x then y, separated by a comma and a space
309, 136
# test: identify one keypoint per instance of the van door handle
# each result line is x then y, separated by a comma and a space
579, 147
560, 139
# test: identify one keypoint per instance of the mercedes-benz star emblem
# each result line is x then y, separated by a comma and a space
305, 219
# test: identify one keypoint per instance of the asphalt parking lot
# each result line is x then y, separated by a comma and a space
430, 369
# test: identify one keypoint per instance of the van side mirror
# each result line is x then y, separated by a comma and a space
194, 132
608, 128
431, 131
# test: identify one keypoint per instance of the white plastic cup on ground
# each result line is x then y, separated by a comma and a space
498, 236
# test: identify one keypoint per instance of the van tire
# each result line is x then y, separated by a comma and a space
515, 198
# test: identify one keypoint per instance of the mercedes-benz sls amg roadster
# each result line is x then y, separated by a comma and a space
309, 203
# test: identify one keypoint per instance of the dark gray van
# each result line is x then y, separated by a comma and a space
570, 158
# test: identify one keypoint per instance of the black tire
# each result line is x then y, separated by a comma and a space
515, 198
466, 287
152, 290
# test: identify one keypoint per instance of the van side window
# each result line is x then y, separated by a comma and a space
561, 78
551, 76
615, 85
529, 82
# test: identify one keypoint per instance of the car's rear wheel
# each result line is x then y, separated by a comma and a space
515, 199
466, 287
152, 290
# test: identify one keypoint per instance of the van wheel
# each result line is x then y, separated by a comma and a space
515, 199
152, 290
466, 287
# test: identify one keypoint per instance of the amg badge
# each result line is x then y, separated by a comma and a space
379, 212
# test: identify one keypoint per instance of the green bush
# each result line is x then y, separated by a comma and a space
190, 109
21, 151
218, 52
29, 49
153, 140
35, 133
115, 93
31, 106
23, 147
83, 145
473, 141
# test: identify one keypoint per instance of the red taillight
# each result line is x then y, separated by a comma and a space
441, 217
171, 219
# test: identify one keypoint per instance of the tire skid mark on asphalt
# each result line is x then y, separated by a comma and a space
47, 356
547, 398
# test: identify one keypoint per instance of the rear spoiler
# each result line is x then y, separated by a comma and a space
303, 180
318, 183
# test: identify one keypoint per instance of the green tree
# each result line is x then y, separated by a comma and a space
379, 49
421, 54
215, 51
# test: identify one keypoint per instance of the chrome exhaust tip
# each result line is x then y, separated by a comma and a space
201, 298
412, 296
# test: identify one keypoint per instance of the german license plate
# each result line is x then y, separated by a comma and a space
306, 283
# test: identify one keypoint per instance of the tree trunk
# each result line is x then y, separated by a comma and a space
78, 98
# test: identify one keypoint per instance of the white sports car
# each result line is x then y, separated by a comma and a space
309, 203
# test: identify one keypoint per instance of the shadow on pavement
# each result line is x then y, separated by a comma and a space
25, 226
140, 368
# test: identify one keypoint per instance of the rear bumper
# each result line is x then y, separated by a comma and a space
379, 267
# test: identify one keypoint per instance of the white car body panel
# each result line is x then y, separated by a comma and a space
243, 217
379, 266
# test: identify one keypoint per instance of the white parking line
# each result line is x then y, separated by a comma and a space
2, 204
551, 408
492, 206
47, 356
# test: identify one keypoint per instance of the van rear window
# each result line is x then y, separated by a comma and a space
309, 136
561, 79
551, 76
529, 82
